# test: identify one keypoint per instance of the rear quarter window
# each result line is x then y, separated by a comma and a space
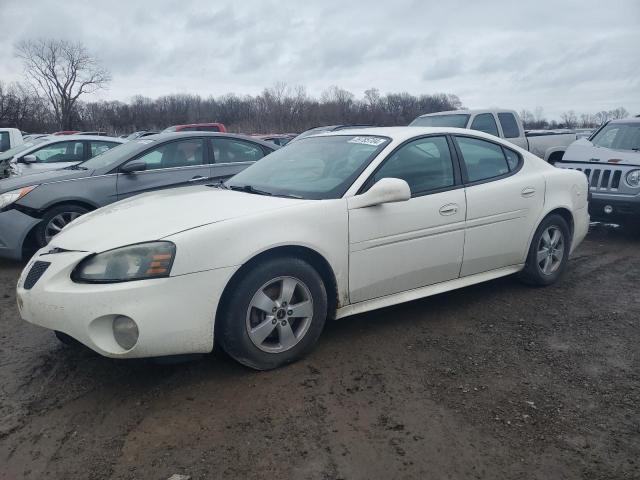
509, 125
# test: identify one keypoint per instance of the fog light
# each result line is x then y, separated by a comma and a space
608, 209
125, 332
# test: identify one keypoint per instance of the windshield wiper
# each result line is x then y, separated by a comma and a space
76, 167
248, 189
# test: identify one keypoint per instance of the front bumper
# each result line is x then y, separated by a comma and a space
174, 315
14, 228
623, 209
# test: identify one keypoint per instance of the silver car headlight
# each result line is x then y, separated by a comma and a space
633, 178
134, 262
13, 196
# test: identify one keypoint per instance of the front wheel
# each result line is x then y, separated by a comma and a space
548, 253
274, 315
54, 220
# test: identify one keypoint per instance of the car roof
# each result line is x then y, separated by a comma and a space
403, 133
60, 138
163, 136
626, 120
475, 111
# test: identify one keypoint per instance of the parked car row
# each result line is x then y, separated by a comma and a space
334, 224
35, 207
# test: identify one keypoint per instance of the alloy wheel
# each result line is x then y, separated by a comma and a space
550, 250
279, 314
57, 223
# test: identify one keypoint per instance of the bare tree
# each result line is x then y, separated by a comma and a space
61, 71
569, 119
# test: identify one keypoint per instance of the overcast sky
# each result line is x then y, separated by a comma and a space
580, 55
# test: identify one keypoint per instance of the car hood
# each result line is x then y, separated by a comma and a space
156, 215
13, 183
585, 151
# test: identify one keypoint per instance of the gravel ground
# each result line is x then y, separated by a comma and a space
494, 381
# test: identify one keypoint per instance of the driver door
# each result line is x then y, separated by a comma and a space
397, 247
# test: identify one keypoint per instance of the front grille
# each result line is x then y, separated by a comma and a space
37, 270
602, 179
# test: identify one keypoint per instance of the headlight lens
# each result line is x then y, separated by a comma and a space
633, 178
134, 262
13, 196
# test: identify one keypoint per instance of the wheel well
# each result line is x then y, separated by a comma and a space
566, 214
555, 156
77, 203
30, 245
316, 260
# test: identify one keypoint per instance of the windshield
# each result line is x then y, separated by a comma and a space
19, 148
619, 136
114, 155
312, 168
313, 131
456, 120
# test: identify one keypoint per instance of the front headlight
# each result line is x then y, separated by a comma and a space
134, 262
633, 178
13, 196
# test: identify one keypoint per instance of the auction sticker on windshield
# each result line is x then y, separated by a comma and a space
375, 141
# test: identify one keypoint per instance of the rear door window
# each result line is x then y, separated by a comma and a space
228, 150
97, 147
483, 160
485, 123
509, 125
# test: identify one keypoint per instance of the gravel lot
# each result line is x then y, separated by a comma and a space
494, 381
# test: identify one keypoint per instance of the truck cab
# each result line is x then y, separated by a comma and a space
549, 145
9, 138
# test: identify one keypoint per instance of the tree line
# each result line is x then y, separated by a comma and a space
58, 73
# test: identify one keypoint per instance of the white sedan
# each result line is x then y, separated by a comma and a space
332, 225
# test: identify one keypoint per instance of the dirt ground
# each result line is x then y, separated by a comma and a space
494, 381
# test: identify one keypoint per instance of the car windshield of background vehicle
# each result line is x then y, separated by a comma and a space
619, 136
19, 148
455, 120
113, 156
312, 168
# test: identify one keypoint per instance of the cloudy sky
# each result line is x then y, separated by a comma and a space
561, 55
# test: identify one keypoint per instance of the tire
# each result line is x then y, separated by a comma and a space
261, 338
545, 270
67, 339
54, 220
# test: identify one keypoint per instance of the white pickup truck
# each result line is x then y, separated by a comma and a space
549, 145
9, 138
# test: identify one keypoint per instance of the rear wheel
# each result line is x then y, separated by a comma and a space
548, 253
54, 220
274, 315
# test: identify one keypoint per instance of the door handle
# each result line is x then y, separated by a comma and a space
528, 192
450, 209
198, 178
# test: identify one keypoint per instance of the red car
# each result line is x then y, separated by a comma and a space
197, 127
66, 132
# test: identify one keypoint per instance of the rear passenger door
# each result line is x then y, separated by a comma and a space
232, 155
171, 164
505, 197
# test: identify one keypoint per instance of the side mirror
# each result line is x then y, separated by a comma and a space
386, 190
29, 159
133, 167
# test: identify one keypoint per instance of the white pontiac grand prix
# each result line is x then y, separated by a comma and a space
332, 225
